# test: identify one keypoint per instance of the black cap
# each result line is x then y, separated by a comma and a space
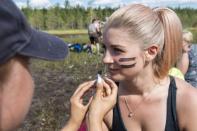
17, 37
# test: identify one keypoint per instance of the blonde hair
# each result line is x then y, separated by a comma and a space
159, 26
187, 36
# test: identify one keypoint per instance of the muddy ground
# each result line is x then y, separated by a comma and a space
53, 89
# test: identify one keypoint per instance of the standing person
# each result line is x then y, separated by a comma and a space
141, 45
188, 61
94, 34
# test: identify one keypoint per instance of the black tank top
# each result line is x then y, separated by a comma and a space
171, 120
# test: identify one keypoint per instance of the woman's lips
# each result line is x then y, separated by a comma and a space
112, 70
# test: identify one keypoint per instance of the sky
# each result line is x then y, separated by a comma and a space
109, 3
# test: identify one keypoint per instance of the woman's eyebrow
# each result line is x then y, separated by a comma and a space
117, 46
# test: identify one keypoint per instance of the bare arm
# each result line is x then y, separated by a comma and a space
101, 105
187, 107
78, 109
191, 111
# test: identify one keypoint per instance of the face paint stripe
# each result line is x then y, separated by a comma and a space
126, 59
128, 66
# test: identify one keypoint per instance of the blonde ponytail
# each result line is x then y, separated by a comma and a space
172, 41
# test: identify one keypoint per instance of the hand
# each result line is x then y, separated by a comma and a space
78, 109
103, 101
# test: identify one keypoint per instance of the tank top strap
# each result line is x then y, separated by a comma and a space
117, 124
171, 120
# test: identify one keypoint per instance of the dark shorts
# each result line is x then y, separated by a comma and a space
94, 39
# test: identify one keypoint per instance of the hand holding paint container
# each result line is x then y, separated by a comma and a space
101, 84
99, 79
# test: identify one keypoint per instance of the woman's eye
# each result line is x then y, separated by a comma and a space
118, 50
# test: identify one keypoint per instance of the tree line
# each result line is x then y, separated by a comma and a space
78, 17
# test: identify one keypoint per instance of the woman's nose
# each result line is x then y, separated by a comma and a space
107, 58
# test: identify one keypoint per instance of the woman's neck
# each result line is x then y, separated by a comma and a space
142, 84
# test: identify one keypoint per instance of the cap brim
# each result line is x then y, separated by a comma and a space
45, 46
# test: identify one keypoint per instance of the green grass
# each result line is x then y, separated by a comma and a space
71, 36
80, 65
77, 39
68, 32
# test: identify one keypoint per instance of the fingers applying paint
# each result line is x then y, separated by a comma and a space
102, 87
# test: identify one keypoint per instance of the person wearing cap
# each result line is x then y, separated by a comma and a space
18, 43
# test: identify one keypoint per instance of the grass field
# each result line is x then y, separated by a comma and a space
68, 32
72, 36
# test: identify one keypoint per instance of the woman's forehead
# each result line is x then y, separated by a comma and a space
118, 37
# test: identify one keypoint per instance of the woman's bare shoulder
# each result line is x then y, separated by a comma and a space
186, 103
185, 90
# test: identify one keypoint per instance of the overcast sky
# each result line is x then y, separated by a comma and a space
110, 3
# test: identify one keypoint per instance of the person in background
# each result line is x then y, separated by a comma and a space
94, 33
141, 45
188, 61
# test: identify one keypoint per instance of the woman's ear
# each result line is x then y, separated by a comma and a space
151, 52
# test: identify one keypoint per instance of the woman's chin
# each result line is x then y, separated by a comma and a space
115, 77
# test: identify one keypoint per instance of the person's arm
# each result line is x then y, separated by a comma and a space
186, 106
191, 111
183, 63
78, 109
71, 126
103, 101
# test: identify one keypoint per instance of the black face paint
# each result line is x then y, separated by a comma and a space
122, 60
128, 66
127, 59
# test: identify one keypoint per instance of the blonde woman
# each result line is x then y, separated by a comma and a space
141, 45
